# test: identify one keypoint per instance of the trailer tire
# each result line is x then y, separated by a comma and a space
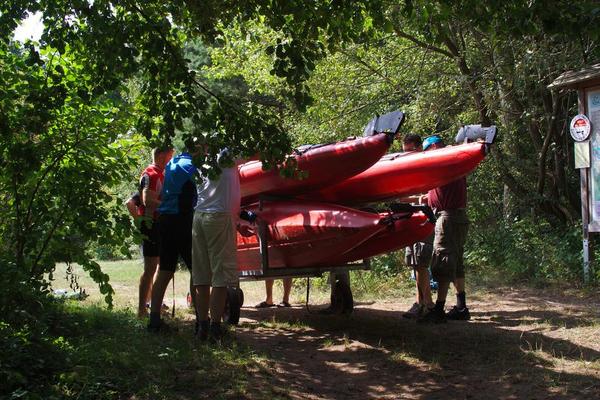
235, 299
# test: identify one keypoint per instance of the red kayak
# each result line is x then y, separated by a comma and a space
402, 174
302, 234
404, 232
322, 165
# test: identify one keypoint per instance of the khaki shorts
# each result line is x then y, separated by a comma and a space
449, 246
214, 250
419, 254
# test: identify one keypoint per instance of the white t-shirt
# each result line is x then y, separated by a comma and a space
221, 194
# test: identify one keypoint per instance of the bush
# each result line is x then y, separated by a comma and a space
525, 249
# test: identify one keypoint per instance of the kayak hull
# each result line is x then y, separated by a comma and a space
402, 174
403, 233
320, 166
303, 234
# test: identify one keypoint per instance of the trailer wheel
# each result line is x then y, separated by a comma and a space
235, 299
342, 301
240, 296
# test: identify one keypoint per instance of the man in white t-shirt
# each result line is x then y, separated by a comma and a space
214, 250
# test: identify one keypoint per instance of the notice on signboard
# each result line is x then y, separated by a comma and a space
593, 106
582, 154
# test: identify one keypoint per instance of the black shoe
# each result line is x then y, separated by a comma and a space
161, 327
215, 333
459, 314
432, 316
201, 330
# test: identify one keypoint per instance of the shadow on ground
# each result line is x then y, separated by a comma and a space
503, 353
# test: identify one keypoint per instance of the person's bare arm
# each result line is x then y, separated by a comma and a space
131, 207
150, 201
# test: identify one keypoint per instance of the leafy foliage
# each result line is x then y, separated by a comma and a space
61, 152
447, 64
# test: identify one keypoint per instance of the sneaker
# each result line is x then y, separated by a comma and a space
414, 312
459, 314
432, 316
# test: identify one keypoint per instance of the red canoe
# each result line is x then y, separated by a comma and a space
323, 165
402, 174
303, 234
403, 233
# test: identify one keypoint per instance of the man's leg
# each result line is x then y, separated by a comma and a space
459, 285
201, 296
168, 265
158, 293
145, 287
220, 233
201, 276
218, 298
287, 288
418, 294
436, 314
416, 309
423, 286
340, 303
269, 294
460, 311
442, 292
202, 299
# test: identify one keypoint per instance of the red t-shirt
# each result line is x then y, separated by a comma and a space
450, 196
152, 179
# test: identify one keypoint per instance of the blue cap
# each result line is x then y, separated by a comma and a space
431, 140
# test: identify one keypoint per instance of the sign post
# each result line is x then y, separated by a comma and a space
580, 132
585, 131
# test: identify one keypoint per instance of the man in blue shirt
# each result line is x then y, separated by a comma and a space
175, 227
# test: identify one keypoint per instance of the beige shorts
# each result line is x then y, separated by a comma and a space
214, 250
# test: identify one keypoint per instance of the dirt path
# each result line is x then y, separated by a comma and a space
520, 344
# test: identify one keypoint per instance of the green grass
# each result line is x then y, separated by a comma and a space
101, 354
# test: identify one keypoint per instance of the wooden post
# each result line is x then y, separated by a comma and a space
585, 203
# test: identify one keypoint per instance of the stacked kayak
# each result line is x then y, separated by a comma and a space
319, 166
304, 234
401, 174
323, 164
308, 221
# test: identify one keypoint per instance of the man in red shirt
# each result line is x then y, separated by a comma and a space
449, 203
150, 185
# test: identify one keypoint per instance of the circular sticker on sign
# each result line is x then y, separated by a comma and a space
580, 128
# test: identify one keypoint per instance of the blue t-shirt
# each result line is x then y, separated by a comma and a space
178, 194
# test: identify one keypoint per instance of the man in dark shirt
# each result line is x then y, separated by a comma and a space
178, 199
449, 202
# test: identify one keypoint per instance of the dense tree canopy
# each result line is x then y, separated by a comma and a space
261, 75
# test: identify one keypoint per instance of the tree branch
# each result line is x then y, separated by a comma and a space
421, 43
547, 140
